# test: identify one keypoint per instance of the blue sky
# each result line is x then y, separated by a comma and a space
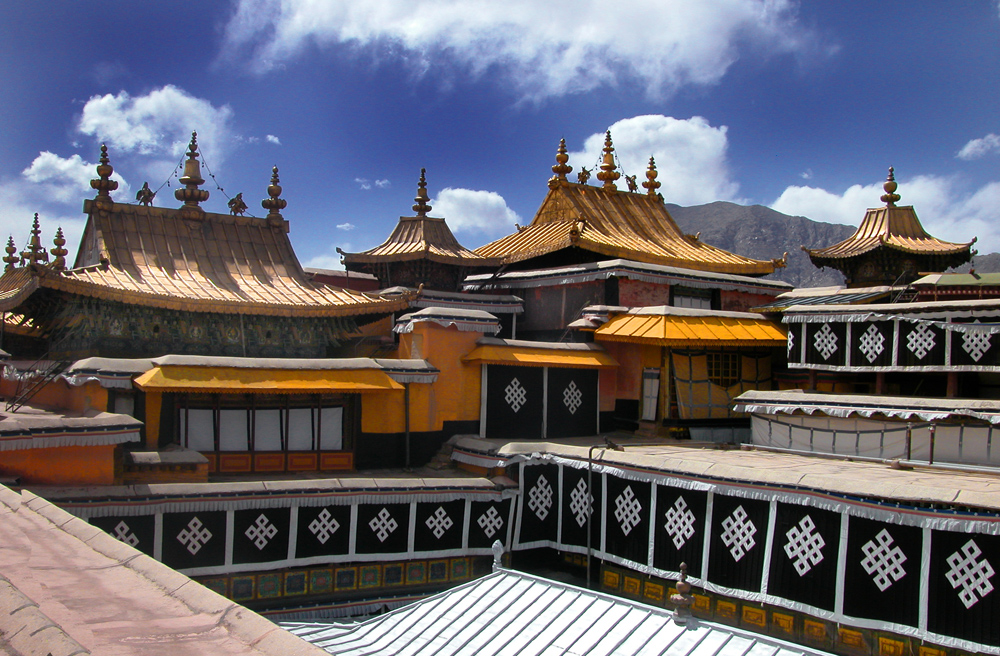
801, 106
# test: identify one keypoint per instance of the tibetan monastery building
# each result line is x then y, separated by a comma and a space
148, 281
889, 247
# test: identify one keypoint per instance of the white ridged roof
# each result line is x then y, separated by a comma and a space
514, 613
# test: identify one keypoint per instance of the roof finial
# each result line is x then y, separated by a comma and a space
59, 253
608, 174
191, 194
103, 183
274, 204
421, 207
11, 259
561, 168
34, 252
890, 196
651, 185
683, 600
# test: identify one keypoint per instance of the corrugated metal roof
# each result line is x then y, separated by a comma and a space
151, 256
615, 224
893, 227
514, 613
421, 237
828, 299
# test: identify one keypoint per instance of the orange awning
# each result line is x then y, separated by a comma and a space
674, 330
540, 357
268, 381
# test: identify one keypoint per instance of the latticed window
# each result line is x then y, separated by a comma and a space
724, 368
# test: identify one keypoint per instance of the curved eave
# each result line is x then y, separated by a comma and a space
925, 248
693, 343
369, 257
132, 297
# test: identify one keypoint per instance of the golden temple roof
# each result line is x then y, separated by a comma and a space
421, 237
616, 224
186, 259
892, 227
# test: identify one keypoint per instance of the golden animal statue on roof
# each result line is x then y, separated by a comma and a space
633, 186
583, 175
145, 195
236, 205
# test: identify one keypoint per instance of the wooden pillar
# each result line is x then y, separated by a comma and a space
880, 383
952, 385
811, 385
154, 403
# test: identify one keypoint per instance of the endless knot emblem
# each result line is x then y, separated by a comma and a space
791, 342
976, 344
872, 343
195, 536
439, 522
627, 510
516, 396
825, 341
490, 521
383, 524
737, 533
261, 532
540, 498
324, 526
972, 574
680, 522
581, 502
883, 560
920, 340
572, 397
805, 546
124, 534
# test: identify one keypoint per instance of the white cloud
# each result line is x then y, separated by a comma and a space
363, 183
273, 139
945, 208
67, 179
20, 202
545, 49
345, 226
468, 210
382, 184
979, 147
690, 157
330, 259
159, 123
807, 174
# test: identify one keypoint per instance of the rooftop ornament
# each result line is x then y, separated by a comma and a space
583, 175
34, 253
191, 194
421, 207
145, 195
890, 197
11, 259
651, 185
103, 183
683, 600
609, 173
237, 206
274, 204
59, 252
561, 168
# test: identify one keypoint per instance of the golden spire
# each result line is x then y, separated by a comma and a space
34, 252
274, 204
608, 174
651, 185
421, 207
561, 168
59, 253
103, 183
890, 196
11, 259
191, 194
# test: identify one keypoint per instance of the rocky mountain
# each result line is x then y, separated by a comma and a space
762, 233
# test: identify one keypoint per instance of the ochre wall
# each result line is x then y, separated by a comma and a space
68, 465
455, 396
62, 395
382, 412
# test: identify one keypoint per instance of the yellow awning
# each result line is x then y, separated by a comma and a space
540, 357
674, 330
268, 381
